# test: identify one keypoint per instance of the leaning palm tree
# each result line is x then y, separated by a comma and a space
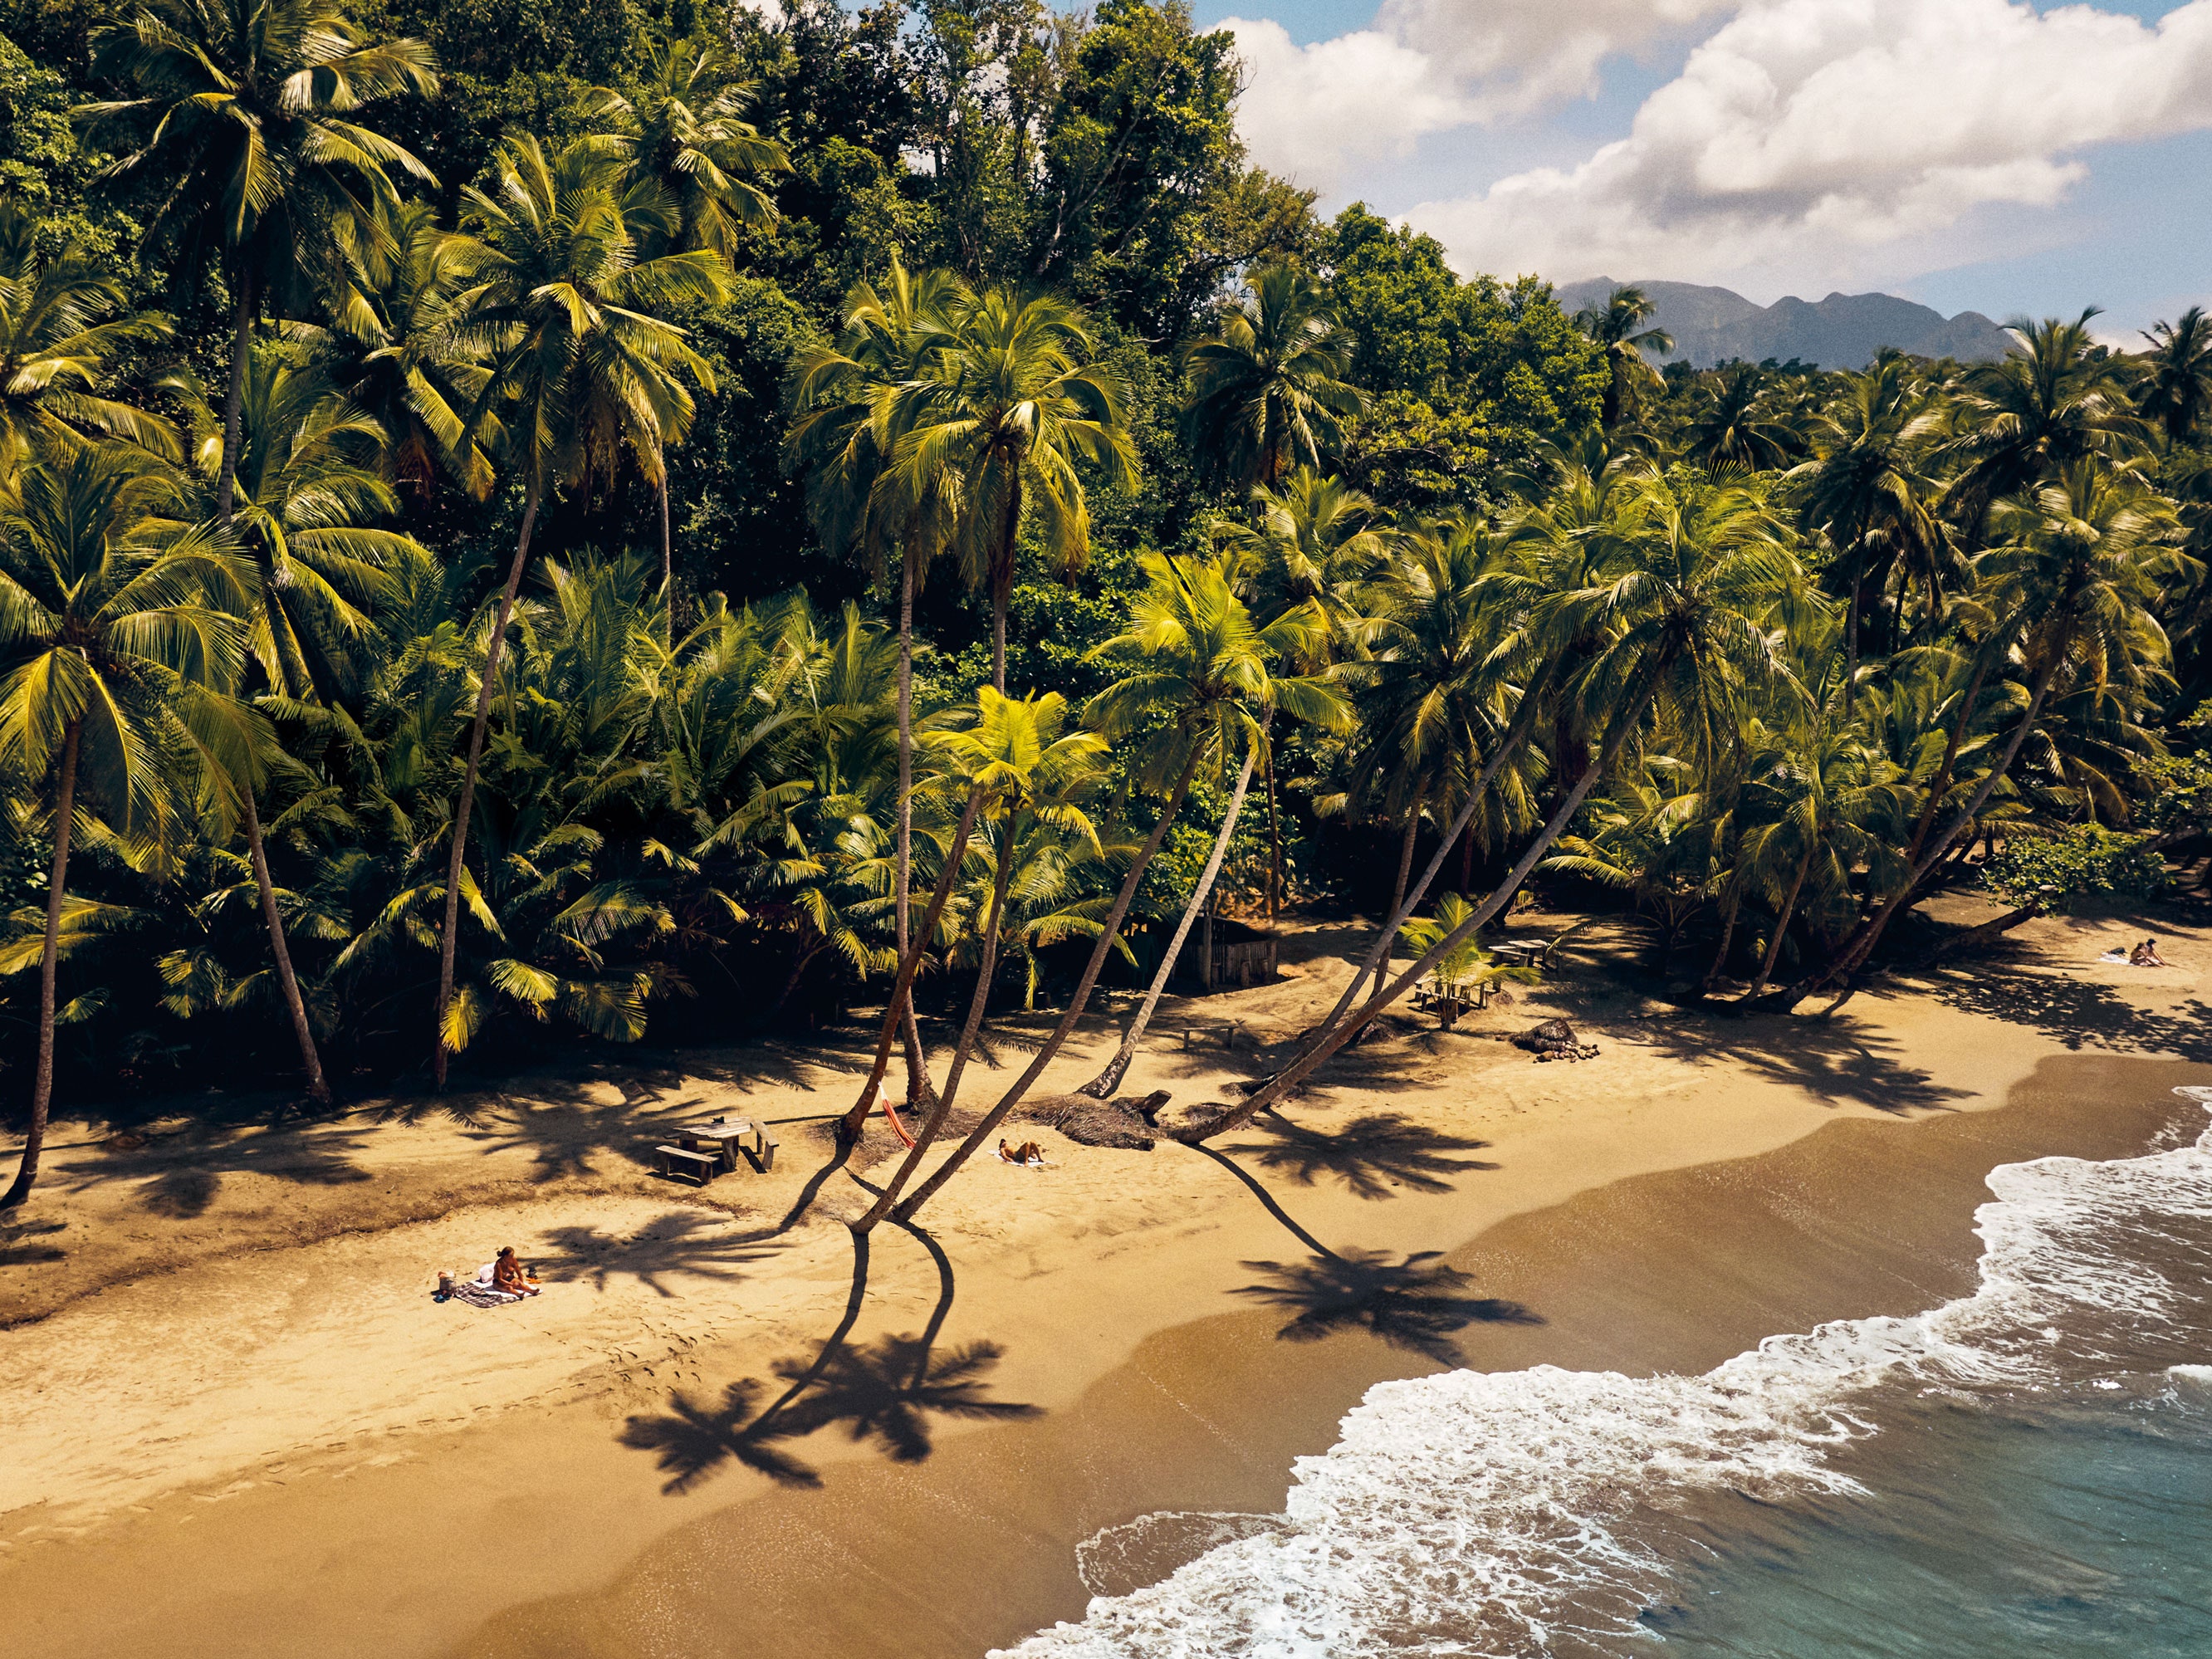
684, 131
1270, 388
2176, 389
1018, 400
1032, 773
2077, 573
1682, 612
1618, 326
112, 658
243, 130
581, 367
60, 341
1198, 692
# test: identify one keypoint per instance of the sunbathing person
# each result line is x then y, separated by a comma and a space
510, 1276
2146, 955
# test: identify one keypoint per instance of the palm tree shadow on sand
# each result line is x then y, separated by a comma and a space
1370, 1155
1418, 1305
887, 1391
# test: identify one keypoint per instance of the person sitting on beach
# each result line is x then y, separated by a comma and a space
2146, 955
510, 1277
1029, 1153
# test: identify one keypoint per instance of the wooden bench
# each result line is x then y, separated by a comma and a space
676, 1161
764, 1159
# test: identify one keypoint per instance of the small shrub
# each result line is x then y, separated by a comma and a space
2086, 863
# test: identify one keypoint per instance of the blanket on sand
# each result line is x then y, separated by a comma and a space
477, 1292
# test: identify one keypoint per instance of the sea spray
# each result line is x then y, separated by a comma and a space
1537, 1512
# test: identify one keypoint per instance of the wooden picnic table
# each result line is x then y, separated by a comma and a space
1522, 953
733, 1135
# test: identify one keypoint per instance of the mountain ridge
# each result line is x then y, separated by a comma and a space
1845, 331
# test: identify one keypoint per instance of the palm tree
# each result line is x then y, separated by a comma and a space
1736, 424
1017, 399
2076, 576
580, 366
59, 340
114, 660
1681, 609
844, 437
684, 132
1317, 541
2056, 400
1618, 327
1270, 386
309, 493
1199, 691
398, 345
1204, 621
1867, 487
1031, 772
2176, 390
242, 131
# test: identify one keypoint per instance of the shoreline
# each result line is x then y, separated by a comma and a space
1119, 1295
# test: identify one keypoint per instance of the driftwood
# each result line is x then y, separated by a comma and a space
1129, 1123
1985, 933
1554, 1040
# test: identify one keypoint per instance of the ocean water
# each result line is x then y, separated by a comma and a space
2026, 1470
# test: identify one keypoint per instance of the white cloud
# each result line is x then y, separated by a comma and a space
1309, 113
1818, 136
1312, 113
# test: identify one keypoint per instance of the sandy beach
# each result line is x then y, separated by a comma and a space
239, 1425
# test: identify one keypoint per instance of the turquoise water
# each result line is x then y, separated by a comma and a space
2020, 1527
2026, 1471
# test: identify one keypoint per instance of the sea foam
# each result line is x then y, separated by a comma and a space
1520, 1513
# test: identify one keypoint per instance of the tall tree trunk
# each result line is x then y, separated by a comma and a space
976, 1004
1860, 946
1063, 1031
1852, 626
1524, 721
667, 566
1002, 582
1466, 858
1781, 928
1341, 1032
1274, 847
234, 402
497, 644
856, 1118
1102, 1087
917, 1060
1728, 937
318, 1090
42, 1080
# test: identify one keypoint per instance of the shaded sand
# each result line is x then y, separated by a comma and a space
713, 1435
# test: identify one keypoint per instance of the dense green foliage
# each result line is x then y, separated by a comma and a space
1768, 652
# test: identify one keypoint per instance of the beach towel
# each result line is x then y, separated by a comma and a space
477, 1292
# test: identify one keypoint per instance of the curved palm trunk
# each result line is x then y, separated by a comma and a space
1066, 1029
1274, 847
1341, 1032
42, 1080
976, 1004
1380, 966
1727, 937
1002, 583
318, 1090
1951, 746
850, 1126
449, 936
1781, 928
1851, 623
1102, 1087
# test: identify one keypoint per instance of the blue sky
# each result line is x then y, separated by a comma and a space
1983, 154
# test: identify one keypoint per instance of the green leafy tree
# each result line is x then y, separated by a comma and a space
1618, 327
1268, 385
2176, 390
